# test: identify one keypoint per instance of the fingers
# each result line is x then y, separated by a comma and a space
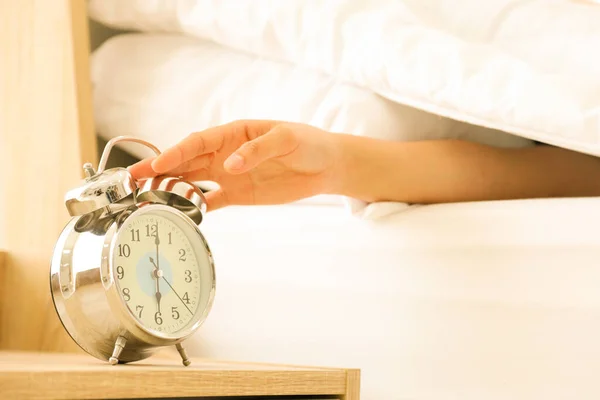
142, 169
209, 141
278, 142
201, 143
201, 162
216, 199
196, 144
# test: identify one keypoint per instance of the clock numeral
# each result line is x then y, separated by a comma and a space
126, 294
151, 230
139, 309
158, 318
120, 272
135, 235
188, 276
182, 255
170, 238
186, 298
124, 250
174, 313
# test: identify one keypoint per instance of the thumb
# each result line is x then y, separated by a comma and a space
277, 142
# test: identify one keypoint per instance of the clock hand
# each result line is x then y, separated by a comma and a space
158, 294
176, 294
157, 274
158, 297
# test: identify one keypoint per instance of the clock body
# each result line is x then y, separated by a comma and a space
144, 275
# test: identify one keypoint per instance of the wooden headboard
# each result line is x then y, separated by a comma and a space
46, 134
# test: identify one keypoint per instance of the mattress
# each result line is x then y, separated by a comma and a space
486, 300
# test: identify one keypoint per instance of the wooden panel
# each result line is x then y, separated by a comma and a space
46, 133
80, 54
2, 258
45, 376
352, 385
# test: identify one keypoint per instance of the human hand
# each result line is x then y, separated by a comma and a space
254, 162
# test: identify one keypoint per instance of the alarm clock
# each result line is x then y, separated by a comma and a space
131, 271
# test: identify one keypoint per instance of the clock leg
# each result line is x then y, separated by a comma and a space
183, 354
119, 346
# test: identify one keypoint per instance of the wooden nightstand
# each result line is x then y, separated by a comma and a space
71, 376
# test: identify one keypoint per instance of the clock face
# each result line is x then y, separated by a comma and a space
161, 267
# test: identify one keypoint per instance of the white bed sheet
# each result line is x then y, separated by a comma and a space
491, 300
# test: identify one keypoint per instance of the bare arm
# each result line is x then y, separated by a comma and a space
271, 162
439, 171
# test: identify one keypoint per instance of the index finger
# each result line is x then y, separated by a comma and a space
142, 169
196, 144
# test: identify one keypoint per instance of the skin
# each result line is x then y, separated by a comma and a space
270, 162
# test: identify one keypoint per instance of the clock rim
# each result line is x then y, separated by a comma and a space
117, 303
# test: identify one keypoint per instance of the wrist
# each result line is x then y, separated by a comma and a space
367, 168
350, 166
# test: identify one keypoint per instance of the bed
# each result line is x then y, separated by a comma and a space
487, 300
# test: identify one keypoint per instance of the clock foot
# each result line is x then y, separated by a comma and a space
183, 354
119, 346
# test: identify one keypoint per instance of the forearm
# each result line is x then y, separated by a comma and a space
440, 171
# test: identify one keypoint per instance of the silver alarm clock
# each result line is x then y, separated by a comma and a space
131, 271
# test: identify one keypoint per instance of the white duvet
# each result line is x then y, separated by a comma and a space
531, 68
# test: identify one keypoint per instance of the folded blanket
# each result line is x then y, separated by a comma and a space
529, 68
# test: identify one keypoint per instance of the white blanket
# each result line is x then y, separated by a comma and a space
531, 68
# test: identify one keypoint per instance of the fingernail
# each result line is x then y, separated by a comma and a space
235, 161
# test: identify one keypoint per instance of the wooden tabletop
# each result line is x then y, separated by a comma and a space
73, 376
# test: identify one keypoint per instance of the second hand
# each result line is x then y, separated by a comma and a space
176, 294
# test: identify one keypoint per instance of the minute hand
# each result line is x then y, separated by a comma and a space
158, 294
176, 294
